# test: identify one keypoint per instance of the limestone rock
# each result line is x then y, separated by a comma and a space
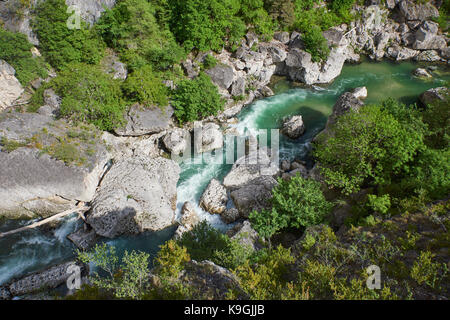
91, 10
427, 37
10, 87
428, 56
207, 137
136, 195
254, 195
411, 11
230, 215
440, 93
282, 36
245, 234
176, 140
189, 218
421, 72
214, 198
142, 120
293, 127
48, 279
247, 168
221, 75
83, 239
346, 102
238, 87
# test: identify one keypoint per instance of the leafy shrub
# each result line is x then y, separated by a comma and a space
205, 25
16, 50
209, 62
369, 147
425, 271
132, 29
61, 45
196, 99
316, 44
126, 278
145, 87
379, 204
171, 259
89, 95
295, 203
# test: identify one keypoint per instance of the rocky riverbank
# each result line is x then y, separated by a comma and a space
49, 166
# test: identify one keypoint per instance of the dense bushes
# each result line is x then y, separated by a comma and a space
145, 87
16, 50
89, 95
196, 99
316, 44
132, 29
61, 45
369, 147
295, 203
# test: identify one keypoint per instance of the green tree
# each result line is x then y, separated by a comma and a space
369, 147
16, 50
196, 99
89, 95
145, 87
61, 45
316, 44
205, 25
125, 278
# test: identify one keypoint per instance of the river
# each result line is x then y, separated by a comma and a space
36, 249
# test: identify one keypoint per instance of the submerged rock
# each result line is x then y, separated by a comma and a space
214, 198
421, 72
136, 195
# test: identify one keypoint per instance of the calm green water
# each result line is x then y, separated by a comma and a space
34, 250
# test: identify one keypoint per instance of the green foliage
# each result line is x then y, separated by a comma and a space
369, 147
437, 117
316, 44
297, 203
204, 242
209, 62
10, 145
171, 259
254, 14
127, 278
16, 50
61, 45
132, 29
206, 25
301, 201
379, 204
196, 99
267, 279
89, 95
144, 87
425, 271
282, 12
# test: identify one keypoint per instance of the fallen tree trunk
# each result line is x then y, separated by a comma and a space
81, 208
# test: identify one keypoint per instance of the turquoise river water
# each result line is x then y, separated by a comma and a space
37, 249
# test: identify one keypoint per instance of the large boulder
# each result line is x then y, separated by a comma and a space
222, 75
412, 11
189, 218
249, 167
142, 120
47, 279
426, 37
91, 10
293, 127
346, 102
245, 234
176, 141
15, 16
207, 137
43, 169
83, 238
254, 195
434, 94
136, 195
214, 198
10, 87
